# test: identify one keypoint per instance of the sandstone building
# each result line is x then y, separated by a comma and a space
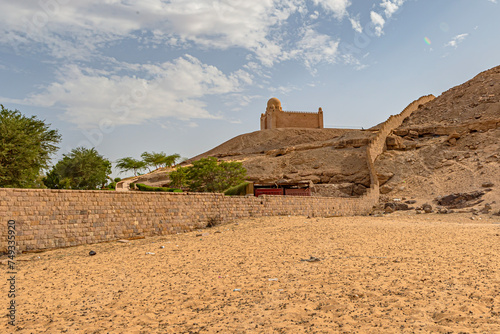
275, 117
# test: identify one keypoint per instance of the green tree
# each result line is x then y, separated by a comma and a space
82, 168
158, 160
112, 183
128, 163
26, 144
207, 175
171, 160
178, 177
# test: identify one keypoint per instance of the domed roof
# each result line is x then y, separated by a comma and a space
274, 102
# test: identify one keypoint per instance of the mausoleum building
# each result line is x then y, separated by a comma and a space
275, 117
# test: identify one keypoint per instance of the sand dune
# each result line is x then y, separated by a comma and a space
403, 273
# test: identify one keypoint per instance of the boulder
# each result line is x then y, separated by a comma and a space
386, 188
391, 207
394, 142
412, 134
460, 200
452, 138
384, 177
427, 208
486, 209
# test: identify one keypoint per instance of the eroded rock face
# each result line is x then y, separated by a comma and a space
473, 105
394, 142
320, 156
451, 145
452, 138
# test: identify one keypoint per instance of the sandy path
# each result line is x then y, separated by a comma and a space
402, 273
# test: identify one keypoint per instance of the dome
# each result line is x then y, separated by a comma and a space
274, 102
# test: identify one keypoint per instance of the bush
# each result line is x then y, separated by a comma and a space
239, 190
144, 187
208, 175
178, 177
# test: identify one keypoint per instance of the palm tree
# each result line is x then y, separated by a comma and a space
129, 163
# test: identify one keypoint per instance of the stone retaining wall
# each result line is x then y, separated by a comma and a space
59, 218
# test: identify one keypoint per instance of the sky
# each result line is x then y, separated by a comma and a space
183, 76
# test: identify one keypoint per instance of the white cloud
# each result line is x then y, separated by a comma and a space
337, 7
314, 15
173, 89
77, 28
378, 22
91, 85
391, 6
349, 59
456, 40
356, 24
82, 29
314, 48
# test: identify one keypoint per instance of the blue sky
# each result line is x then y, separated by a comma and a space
183, 76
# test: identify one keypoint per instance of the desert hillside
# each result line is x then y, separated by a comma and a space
475, 102
333, 159
449, 145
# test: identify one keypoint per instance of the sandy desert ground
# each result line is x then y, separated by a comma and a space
402, 273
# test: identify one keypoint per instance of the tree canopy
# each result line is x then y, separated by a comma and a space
82, 168
158, 160
208, 175
26, 144
153, 159
130, 164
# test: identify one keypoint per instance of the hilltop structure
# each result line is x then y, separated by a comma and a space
275, 117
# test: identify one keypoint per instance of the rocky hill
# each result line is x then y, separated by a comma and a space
449, 145
332, 159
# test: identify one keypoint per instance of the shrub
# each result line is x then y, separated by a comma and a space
178, 177
144, 187
239, 190
209, 175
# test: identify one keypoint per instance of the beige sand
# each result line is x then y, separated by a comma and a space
403, 273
